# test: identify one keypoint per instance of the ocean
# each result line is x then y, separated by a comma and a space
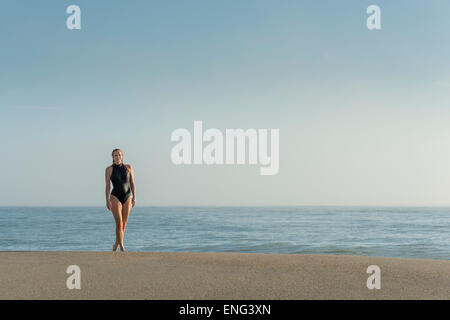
369, 231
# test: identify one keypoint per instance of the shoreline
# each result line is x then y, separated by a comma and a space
218, 276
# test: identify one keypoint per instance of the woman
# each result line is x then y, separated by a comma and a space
120, 201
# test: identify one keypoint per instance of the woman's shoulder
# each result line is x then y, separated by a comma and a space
129, 167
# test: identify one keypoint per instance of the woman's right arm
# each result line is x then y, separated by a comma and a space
108, 187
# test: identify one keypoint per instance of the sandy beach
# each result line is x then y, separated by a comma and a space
183, 275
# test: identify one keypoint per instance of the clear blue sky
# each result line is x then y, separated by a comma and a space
363, 115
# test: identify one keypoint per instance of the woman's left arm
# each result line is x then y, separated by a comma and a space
133, 188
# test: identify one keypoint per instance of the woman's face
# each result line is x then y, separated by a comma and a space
117, 157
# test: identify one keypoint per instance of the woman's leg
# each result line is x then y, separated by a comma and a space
126, 208
116, 211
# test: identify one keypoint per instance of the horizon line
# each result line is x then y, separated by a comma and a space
234, 206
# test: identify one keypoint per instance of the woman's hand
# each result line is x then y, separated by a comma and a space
108, 205
133, 202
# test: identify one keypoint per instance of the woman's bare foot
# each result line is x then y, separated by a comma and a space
115, 247
122, 248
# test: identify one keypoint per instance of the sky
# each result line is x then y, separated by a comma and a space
363, 115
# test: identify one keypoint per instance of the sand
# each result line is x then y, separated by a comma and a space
212, 276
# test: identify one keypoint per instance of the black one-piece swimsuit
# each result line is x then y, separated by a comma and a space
120, 178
